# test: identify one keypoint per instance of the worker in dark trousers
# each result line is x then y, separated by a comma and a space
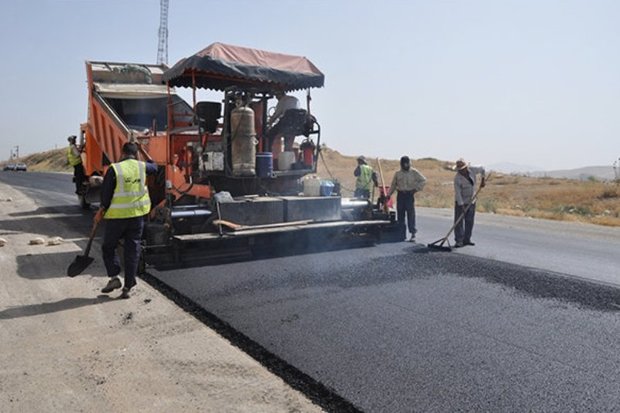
124, 204
74, 158
407, 182
464, 189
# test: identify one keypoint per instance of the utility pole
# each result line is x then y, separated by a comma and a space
162, 47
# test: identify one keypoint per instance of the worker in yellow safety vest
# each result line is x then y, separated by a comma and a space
124, 204
365, 178
74, 159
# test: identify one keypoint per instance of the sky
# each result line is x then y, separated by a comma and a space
530, 82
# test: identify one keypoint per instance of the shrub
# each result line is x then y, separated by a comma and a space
513, 180
575, 210
488, 205
608, 194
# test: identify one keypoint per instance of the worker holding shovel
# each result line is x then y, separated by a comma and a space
124, 204
465, 204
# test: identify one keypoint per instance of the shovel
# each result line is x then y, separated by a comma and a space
81, 262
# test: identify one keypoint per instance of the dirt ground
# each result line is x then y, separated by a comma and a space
66, 347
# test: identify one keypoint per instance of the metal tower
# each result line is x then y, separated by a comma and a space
162, 48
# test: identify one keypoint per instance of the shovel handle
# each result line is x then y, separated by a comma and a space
93, 231
385, 207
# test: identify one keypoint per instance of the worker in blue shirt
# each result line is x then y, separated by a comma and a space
124, 204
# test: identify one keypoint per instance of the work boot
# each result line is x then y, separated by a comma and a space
112, 285
412, 239
469, 243
125, 293
458, 244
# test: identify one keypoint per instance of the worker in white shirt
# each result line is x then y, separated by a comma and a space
464, 189
274, 124
407, 182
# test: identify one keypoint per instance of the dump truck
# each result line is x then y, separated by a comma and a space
224, 187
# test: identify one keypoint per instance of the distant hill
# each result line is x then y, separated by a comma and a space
604, 173
54, 160
581, 174
511, 168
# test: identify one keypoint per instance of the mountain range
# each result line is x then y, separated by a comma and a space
583, 173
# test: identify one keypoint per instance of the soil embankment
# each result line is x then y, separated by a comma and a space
66, 347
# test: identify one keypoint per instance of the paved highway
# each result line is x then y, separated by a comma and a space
509, 325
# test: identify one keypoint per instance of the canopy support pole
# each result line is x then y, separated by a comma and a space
194, 89
308, 99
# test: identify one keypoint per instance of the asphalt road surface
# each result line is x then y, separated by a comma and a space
528, 320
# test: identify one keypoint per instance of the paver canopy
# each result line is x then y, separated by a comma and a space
220, 66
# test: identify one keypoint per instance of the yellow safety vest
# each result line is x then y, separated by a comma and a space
364, 180
73, 160
131, 196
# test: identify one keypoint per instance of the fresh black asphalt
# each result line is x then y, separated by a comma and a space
397, 328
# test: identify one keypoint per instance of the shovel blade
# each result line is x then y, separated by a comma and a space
79, 264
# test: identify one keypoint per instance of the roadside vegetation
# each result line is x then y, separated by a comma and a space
53, 160
591, 200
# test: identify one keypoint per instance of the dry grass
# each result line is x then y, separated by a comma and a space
558, 199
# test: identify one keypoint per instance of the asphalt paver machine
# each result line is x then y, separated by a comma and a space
225, 187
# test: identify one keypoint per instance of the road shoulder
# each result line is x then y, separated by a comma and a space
66, 347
